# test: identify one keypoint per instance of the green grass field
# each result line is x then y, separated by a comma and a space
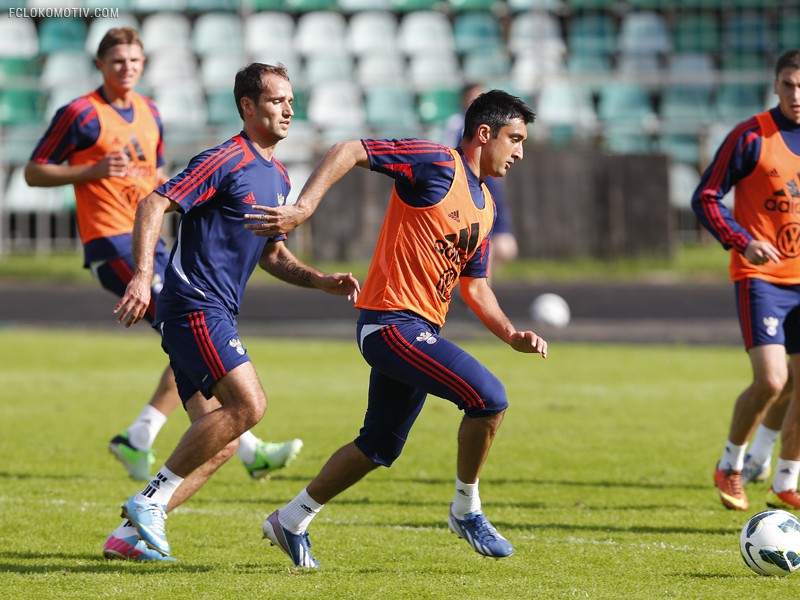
600, 477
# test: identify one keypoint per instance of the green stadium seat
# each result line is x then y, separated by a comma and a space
436, 105
788, 31
222, 109
406, 6
739, 101
696, 33
747, 32
624, 103
592, 33
266, 5
627, 139
476, 31
57, 34
203, 6
391, 112
18, 72
486, 67
304, 6
20, 106
467, 5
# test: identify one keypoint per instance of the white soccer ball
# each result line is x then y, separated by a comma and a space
550, 309
770, 543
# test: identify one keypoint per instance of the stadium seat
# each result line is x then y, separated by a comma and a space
266, 5
469, 5
181, 105
488, 68
627, 138
477, 31
123, 6
425, 32
692, 68
20, 197
747, 32
391, 112
69, 66
625, 103
307, 6
517, 6
788, 31
149, 6
428, 71
643, 68
203, 6
20, 106
321, 67
337, 103
372, 31
591, 70
535, 32
436, 105
592, 33
321, 31
267, 32
218, 33
357, 6
380, 68
687, 104
164, 30
530, 71
18, 38
565, 109
221, 109
644, 32
739, 101
19, 72
171, 67
57, 34
696, 33
18, 143
679, 143
407, 6
218, 71
683, 181
98, 28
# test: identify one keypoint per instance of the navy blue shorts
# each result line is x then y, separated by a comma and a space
410, 360
114, 275
769, 313
202, 347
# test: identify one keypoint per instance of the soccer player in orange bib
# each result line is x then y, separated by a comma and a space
111, 141
760, 160
436, 233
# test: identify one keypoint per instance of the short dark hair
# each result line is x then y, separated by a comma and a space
250, 84
496, 109
790, 59
117, 37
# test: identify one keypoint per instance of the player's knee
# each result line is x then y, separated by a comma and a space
493, 399
382, 450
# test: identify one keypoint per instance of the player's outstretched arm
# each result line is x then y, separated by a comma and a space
113, 164
339, 160
278, 260
132, 307
481, 300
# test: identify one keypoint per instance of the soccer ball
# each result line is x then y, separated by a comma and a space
550, 309
770, 543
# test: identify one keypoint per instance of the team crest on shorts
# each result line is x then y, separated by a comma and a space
235, 343
427, 337
771, 323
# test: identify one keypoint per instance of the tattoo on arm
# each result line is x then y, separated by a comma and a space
297, 273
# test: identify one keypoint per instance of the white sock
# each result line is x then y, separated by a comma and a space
732, 457
143, 431
467, 499
125, 529
248, 442
786, 473
161, 488
296, 516
760, 450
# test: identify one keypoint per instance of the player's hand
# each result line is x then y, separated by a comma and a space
132, 307
340, 284
272, 221
113, 164
528, 342
759, 253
